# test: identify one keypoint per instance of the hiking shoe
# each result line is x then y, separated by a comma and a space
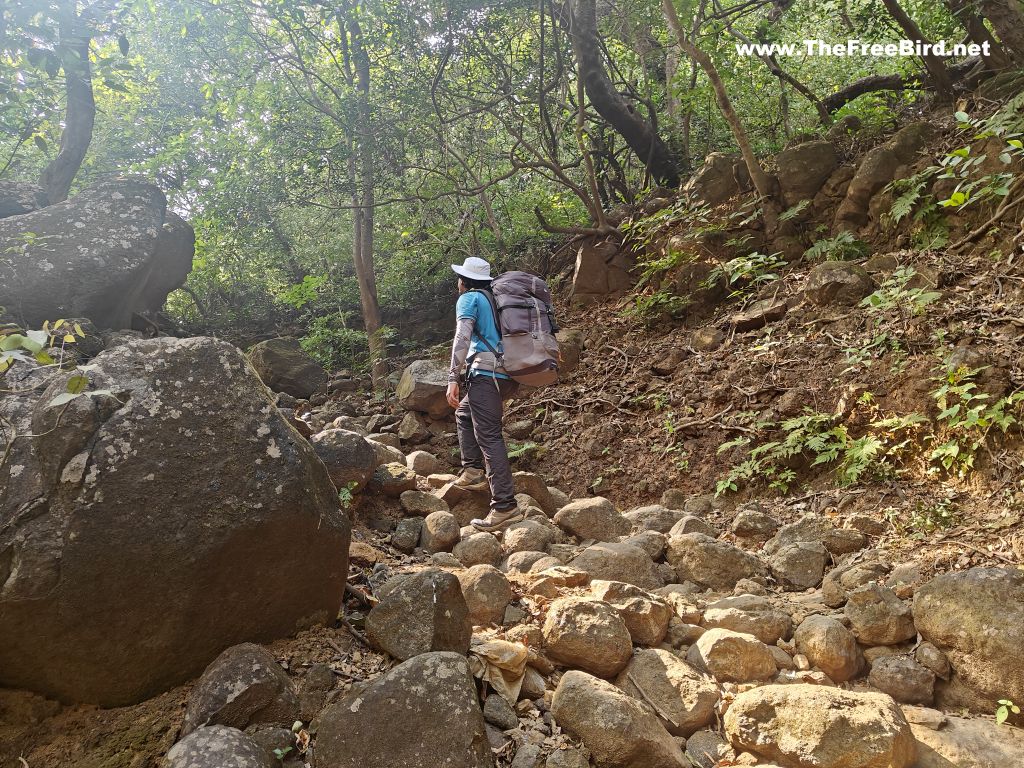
498, 519
472, 480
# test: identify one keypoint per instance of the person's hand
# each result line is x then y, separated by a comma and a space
452, 394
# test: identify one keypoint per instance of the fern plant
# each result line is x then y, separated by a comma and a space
839, 248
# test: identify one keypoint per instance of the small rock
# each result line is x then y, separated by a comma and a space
934, 659
707, 339
904, 679
619, 562
419, 613
216, 747
407, 534
839, 581
830, 646
440, 532
423, 463
754, 526
420, 503
837, 283
750, 614
682, 696
800, 565
242, 686
478, 549
618, 730
706, 749
424, 713
645, 615
392, 480
651, 542
878, 617
529, 535
348, 457
499, 713
594, 518
732, 656
654, 517
711, 563
692, 524
588, 635
487, 594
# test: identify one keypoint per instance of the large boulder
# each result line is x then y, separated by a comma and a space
968, 743
17, 198
977, 618
349, 457
108, 254
422, 388
812, 726
619, 731
422, 714
602, 269
716, 181
419, 613
876, 169
182, 510
286, 367
804, 169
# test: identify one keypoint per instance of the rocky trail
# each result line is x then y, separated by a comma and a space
679, 633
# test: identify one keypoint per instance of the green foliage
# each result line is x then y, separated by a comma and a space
335, 344
745, 273
839, 248
655, 306
347, 495
817, 438
527, 449
925, 518
1005, 709
966, 418
894, 294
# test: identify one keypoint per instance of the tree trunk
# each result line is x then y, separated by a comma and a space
966, 13
79, 111
637, 132
361, 175
1007, 18
764, 184
936, 68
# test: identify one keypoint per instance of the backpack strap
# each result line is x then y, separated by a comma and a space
494, 308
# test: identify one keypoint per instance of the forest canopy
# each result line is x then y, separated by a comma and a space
334, 158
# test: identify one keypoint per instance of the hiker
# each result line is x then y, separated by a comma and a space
480, 403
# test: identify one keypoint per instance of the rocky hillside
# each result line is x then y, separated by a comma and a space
773, 513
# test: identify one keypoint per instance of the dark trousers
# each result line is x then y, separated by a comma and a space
478, 419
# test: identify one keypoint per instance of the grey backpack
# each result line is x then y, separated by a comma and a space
526, 322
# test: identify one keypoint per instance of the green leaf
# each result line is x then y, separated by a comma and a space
77, 384
962, 117
64, 397
122, 44
40, 142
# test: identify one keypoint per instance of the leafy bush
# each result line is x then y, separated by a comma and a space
966, 418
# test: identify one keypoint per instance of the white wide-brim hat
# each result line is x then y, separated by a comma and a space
473, 268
